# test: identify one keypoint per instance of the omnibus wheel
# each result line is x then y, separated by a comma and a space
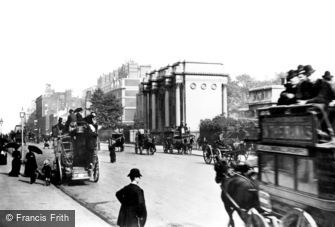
59, 172
207, 154
96, 172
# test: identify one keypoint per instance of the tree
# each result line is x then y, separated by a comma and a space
238, 89
108, 108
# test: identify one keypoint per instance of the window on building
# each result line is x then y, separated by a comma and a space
130, 102
129, 114
132, 82
131, 93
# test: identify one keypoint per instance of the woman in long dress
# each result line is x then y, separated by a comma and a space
16, 164
31, 166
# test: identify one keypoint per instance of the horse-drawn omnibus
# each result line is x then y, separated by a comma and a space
296, 159
76, 156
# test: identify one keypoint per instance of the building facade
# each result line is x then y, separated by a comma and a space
183, 93
123, 84
52, 105
263, 97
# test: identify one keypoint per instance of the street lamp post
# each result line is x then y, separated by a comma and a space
22, 115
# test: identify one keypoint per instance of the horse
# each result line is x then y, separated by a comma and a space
239, 193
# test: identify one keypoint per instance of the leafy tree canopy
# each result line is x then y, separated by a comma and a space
108, 108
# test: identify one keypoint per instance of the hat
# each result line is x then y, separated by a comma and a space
308, 70
300, 68
134, 173
78, 110
327, 75
70, 110
290, 74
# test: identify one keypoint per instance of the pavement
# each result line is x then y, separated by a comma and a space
18, 194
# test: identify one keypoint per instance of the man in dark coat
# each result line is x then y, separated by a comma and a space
288, 96
324, 94
305, 86
133, 212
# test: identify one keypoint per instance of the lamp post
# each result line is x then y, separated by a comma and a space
1, 122
22, 116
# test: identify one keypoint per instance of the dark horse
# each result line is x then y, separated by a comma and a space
239, 192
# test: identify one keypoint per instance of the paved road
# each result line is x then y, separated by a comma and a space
18, 194
180, 189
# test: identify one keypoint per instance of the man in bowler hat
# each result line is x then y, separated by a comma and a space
133, 212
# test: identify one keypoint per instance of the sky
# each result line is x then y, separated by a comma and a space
70, 43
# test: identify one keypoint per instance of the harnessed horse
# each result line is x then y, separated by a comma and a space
239, 193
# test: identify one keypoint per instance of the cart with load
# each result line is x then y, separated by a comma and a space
182, 142
76, 156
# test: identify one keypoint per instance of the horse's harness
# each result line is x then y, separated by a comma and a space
224, 188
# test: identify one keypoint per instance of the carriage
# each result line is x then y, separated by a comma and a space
296, 156
181, 141
76, 157
144, 140
230, 145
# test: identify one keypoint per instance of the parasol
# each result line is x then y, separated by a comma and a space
35, 149
12, 145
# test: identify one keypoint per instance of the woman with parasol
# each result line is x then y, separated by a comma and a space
31, 164
16, 162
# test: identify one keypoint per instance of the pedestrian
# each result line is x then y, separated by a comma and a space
133, 212
31, 165
16, 163
91, 138
46, 170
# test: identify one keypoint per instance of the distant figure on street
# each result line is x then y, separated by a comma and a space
31, 166
46, 170
133, 211
16, 163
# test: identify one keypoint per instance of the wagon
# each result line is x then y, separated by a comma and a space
183, 143
76, 157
